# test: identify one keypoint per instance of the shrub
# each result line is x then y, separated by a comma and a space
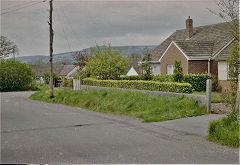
46, 77
141, 85
198, 81
178, 72
15, 75
163, 78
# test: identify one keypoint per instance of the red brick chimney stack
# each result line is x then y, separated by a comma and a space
189, 28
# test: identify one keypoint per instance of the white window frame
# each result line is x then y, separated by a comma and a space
172, 71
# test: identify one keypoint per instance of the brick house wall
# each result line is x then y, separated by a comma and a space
172, 54
201, 66
197, 67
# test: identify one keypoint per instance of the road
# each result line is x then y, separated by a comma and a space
39, 132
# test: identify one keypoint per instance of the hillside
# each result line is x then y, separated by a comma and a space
68, 57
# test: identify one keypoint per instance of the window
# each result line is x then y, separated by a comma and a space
170, 69
154, 69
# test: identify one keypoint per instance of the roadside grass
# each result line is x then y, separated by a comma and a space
148, 107
224, 131
216, 97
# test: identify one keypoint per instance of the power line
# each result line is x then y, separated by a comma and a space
10, 11
64, 33
17, 6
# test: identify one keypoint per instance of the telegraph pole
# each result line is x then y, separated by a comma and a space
51, 47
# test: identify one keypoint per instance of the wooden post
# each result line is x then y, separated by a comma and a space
208, 94
51, 47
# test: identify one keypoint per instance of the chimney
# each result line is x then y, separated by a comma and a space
189, 28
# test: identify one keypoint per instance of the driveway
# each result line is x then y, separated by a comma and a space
39, 132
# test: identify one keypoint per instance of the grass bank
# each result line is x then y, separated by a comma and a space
224, 131
141, 105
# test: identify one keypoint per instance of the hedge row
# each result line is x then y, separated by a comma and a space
198, 81
141, 85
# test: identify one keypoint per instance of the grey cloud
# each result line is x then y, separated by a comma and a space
84, 23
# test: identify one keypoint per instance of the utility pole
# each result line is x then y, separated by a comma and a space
51, 47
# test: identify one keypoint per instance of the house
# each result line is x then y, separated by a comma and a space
60, 70
134, 68
197, 49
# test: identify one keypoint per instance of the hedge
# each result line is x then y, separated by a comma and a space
141, 85
198, 81
132, 77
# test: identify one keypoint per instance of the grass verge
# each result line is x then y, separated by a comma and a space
216, 97
148, 107
224, 131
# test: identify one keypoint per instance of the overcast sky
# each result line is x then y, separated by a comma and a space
81, 24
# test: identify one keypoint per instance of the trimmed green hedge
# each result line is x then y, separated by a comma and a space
141, 85
132, 77
198, 81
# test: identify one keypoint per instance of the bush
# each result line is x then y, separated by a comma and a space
198, 81
141, 85
224, 131
178, 72
15, 75
163, 78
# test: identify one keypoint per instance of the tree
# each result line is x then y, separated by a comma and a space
229, 11
80, 59
15, 75
234, 71
146, 66
7, 47
106, 63
178, 72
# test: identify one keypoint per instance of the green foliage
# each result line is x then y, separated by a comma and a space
148, 107
46, 77
106, 63
198, 81
163, 78
178, 72
131, 78
141, 85
146, 67
15, 75
216, 97
225, 131
234, 70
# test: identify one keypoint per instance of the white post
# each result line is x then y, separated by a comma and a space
208, 94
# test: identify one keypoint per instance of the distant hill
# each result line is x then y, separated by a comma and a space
68, 57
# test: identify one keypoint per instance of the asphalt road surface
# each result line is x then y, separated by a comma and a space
39, 132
